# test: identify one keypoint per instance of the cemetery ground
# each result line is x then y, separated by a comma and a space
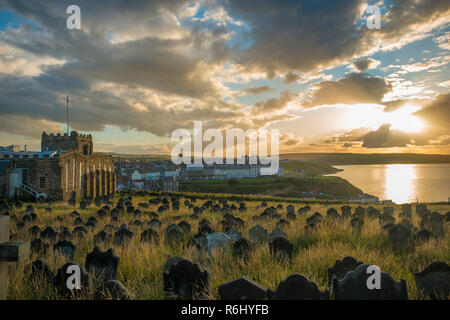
142, 263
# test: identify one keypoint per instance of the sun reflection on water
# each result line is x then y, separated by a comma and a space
400, 182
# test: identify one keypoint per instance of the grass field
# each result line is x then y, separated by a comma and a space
141, 264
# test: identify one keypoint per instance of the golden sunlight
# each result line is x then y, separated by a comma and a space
404, 120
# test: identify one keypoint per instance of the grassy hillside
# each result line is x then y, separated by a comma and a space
141, 264
276, 186
295, 167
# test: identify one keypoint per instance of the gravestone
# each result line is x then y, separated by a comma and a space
354, 287
234, 235
9, 252
150, 235
174, 234
217, 240
277, 233
102, 236
433, 282
297, 287
257, 234
243, 247
103, 264
340, 268
65, 247
61, 277
281, 248
357, 223
346, 211
242, 289
39, 246
123, 236
400, 237
184, 279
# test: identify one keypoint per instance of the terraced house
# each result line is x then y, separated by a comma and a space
66, 168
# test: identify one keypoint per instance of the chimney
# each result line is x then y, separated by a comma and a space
25, 148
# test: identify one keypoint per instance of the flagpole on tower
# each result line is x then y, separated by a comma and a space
67, 100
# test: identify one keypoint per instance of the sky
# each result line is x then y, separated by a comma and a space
138, 70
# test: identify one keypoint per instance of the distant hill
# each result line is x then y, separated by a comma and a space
295, 167
292, 187
372, 158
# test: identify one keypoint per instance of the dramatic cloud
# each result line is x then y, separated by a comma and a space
365, 64
384, 137
258, 90
354, 88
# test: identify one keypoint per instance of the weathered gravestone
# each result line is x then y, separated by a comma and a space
434, 281
297, 287
242, 289
61, 280
340, 268
401, 237
103, 264
258, 234
277, 233
184, 279
9, 252
243, 247
65, 247
281, 248
217, 240
354, 287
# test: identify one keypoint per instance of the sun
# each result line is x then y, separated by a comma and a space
404, 120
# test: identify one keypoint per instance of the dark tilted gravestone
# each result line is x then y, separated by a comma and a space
82, 205
346, 211
185, 227
26, 218
290, 209
34, 231
102, 264
297, 287
354, 287
174, 234
291, 216
405, 215
64, 233
357, 223
313, 222
243, 247
435, 226
424, 235
184, 279
80, 232
78, 221
66, 248
283, 223
102, 236
101, 212
38, 269
71, 202
29, 208
39, 246
242, 289
49, 234
373, 213
150, 235
340, 268
360, 212
113, 290
155, 224
123, 236
61, 277
332, 213
281, 248
400, 237
433, 282
97, 202
74, 214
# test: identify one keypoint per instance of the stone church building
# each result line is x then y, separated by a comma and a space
65, 169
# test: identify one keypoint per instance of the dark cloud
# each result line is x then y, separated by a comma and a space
365, 64
397, 104
258, 90
352, 89
437, 113
273, 104
384, 137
